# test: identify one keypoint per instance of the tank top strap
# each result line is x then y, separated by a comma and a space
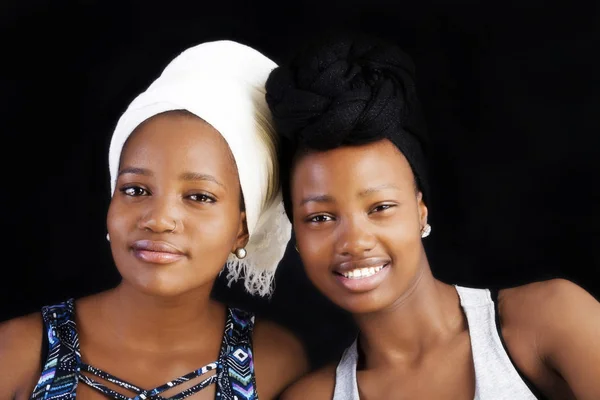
495, 375
236, 375
346, 385
58, 379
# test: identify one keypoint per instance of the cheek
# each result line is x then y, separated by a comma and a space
401, 236
213, 228
119, 219
216, 228
317, 248
401, 227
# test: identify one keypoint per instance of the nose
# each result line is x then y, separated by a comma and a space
161, 215
354, 238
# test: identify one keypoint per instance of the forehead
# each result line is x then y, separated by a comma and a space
350, 166
178, 141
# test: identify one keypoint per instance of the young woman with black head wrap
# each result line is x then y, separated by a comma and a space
355, 186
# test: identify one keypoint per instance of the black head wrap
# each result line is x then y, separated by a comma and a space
346, 90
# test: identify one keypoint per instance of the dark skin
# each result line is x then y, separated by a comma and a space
356, 207
159, 323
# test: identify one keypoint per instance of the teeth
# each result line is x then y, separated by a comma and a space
362, 272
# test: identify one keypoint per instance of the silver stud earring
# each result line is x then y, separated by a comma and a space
426, 231
108, 237
241, 253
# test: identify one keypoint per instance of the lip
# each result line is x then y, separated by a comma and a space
362, 263
366, 284
156, 252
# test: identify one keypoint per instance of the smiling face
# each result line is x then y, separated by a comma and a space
357, 220
175, 215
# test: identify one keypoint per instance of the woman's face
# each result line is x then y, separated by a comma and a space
175, 215
357, 220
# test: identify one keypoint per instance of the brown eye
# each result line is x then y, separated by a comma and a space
134, 191
202, 198
382, 207
320, 218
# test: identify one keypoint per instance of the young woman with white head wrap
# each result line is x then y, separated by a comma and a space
195, 192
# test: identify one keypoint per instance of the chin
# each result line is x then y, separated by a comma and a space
161, 289
163, 284
165, 281
365, 303
355, 301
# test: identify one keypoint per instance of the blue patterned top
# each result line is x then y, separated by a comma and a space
63, 368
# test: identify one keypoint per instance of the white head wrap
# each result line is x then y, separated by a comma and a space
223, 82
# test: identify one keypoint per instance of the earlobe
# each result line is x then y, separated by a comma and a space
423, 211
242, 236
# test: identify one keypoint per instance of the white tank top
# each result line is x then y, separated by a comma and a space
496, 378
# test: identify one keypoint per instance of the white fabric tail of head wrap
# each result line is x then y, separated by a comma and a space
223, 82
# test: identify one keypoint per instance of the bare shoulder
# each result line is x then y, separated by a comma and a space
319, 384
559, 322
543, 317
535, 303
20, 352
540, 307
279, 358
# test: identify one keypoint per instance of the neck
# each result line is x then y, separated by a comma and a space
426, 315
159, 323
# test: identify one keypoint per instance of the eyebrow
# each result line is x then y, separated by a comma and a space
325, 198
186, 176
319, 198
196, 176
374, 189
135, 171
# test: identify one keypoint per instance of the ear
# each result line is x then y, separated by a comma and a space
242, 237
422, 209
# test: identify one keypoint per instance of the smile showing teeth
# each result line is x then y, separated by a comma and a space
360, 273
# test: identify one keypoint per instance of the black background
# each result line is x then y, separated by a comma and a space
511, 95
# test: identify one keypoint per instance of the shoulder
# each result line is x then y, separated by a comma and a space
556, 320
320, 384
273, 339
541, 304
20, 351
279, 358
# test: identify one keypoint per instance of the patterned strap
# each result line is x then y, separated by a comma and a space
195, 389
152, 394
103, 389
58, 380
238, 358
